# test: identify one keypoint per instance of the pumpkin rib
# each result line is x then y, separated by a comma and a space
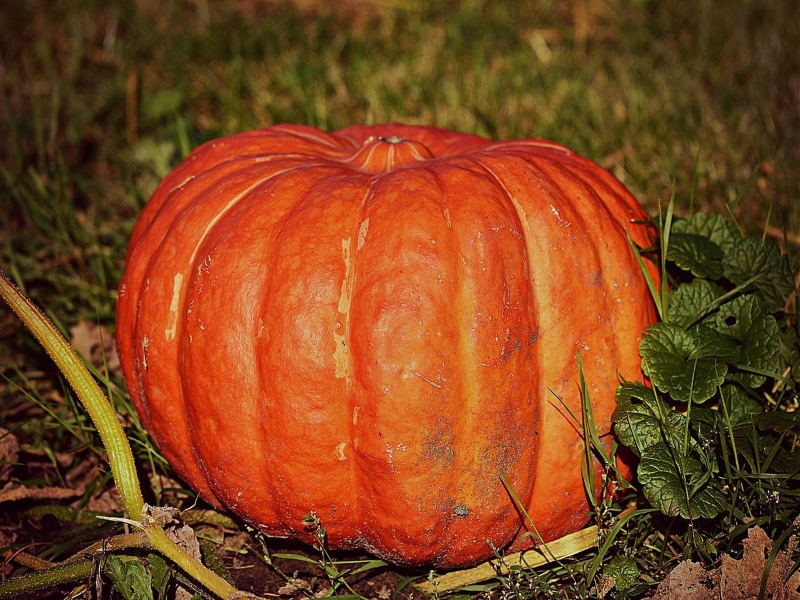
524, 493
156, 253
384, 370
596, 358
521, 418
564, 456
303, 221
350, 382
312, 134
198, 266
563, 422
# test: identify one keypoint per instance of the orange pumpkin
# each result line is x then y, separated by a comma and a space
375, 324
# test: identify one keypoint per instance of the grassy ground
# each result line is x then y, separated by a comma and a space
98, 100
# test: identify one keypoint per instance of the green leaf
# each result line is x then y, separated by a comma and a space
749, 259
686, 364
689, 299
716, 228
741, 408
697, 254
669, 477
784, 461
779, 422
161, 104
641, 419
160, 573
624, 571
747, 319
129, 577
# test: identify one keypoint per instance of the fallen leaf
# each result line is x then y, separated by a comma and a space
106, 502
741, 579
9, 453
180, 533
736, 579
96, 344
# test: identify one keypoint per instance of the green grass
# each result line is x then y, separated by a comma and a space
98, 100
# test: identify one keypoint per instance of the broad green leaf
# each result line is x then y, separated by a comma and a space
783, 461
624, 571
689, 299
686, 364
697, 254
668, 479
773, 276
779, 422
740, 407
128, 577
747, 319
790, 351
629, 390
641, 420
716, 228
159, 571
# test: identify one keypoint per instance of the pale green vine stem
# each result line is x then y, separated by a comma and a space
111, 433
94, 401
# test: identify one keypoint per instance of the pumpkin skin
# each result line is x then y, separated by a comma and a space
375, 324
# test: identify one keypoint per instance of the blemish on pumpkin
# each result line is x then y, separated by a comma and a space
421, 376
169, 332
340, 451
355, 414
437, 448
344, 298
145, 344
390, 458
561, 221
446, 212
182, 183
341, 357
362, 233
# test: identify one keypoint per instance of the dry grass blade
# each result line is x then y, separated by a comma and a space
569, 545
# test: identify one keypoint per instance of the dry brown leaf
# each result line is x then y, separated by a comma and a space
107, 502
741, 579
95, 343
736, 579
9, 453
689, 580
180, 533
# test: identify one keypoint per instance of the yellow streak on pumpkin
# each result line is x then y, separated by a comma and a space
362, 233
169, 332
521, 215
341, 356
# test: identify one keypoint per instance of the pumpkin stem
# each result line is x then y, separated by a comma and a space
385, 154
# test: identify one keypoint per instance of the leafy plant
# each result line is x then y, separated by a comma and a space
717, 433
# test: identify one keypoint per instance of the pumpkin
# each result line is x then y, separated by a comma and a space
377, 325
